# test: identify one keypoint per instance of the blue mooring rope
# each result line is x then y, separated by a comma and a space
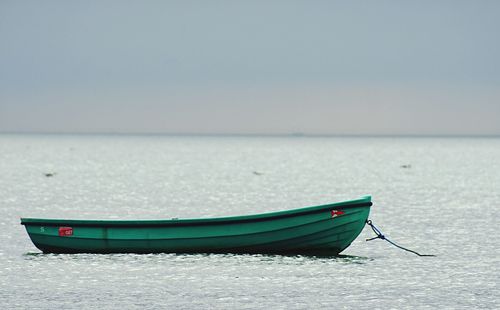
381, 236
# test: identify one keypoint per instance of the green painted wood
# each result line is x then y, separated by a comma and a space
310, 230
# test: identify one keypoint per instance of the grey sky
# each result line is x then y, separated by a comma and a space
318, 67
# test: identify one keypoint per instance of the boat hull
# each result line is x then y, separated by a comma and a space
321, 230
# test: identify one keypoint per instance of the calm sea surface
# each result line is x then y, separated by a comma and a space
446, 203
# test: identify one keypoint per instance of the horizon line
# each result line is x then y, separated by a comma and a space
240, 134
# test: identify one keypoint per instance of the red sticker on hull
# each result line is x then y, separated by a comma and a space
65, 231
336, 213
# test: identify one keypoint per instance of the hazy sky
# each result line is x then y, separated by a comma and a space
317, 67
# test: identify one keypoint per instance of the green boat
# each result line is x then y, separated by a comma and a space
319, 230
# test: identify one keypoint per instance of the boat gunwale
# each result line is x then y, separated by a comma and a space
209, 237
362, 202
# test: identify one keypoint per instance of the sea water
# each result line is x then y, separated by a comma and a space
434, 195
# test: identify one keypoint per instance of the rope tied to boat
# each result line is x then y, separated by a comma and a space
380, 235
